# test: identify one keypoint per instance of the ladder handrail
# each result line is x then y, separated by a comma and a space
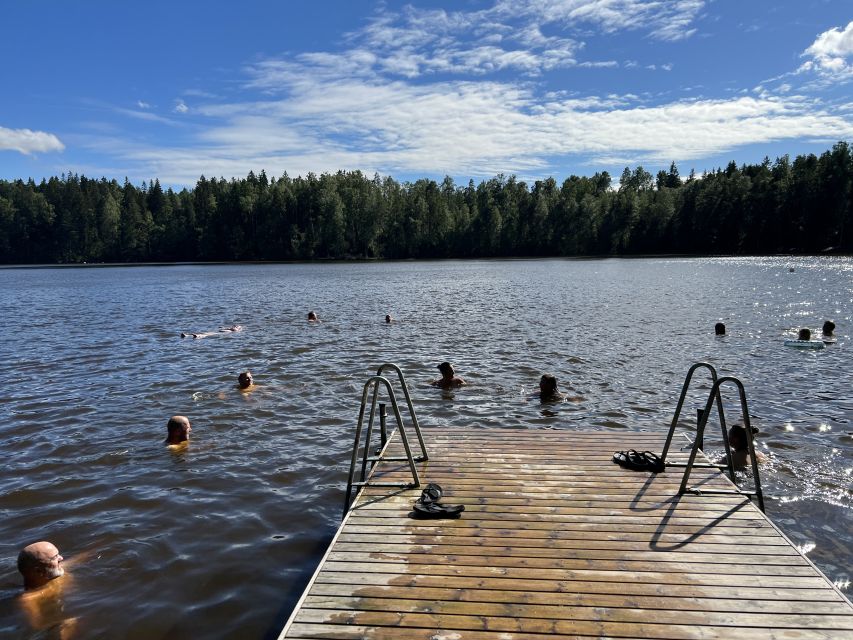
700, 429
680, 406
375, 382
401, 378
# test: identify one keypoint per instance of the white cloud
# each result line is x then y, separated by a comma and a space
426, 93
142, 105
663, 19
28, 142
831, 54
467, 128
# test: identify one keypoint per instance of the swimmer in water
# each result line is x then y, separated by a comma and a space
828, 329
719, 329
45, 585
178, 430
740, 447
245, 381
548, 389
40, 563
388, 319
805, 335
448, 378
312, 317
234, 328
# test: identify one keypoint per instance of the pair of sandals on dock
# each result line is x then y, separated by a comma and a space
428, 505
639, 461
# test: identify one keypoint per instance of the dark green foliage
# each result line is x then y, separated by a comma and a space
801, 206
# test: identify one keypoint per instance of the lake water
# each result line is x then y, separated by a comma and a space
219, 540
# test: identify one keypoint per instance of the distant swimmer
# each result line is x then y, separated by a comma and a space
389, 319
40, 563
448, 378
245, 381
312, 317
804, 334
740, 447
720, 329
828, 329
234, 328
548, 389
178, 430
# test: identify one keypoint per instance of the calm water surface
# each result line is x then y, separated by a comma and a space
219, 540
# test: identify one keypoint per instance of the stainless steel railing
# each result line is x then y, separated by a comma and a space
714, 397
375, 383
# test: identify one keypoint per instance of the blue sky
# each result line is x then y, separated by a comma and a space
470, 89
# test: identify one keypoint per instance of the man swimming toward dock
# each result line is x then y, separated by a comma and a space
178, 429
740, 447
448, 378
548, 389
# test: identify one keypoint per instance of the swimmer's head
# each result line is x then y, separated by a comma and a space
737, 437
312, 316
805, 334
446, 369
828, 327
547, 384
388, 318
178, 430
245, 380
39, 563
720, 329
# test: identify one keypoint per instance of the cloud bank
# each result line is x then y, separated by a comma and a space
466, 93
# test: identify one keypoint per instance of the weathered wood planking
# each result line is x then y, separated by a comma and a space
556, 541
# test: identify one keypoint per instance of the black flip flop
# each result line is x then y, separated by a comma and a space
630, 459
431, 493
653, 462
436, 510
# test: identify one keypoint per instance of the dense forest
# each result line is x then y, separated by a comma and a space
783, 206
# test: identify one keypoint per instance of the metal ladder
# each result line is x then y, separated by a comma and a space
375, 382
714, 396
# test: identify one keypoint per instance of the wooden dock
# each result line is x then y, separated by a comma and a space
556, 541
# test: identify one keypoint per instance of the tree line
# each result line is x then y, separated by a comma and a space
804, 206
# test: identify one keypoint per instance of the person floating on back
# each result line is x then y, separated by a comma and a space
448, 378
548, 389
720, 329
178, 430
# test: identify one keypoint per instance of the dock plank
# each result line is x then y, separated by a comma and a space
556, 541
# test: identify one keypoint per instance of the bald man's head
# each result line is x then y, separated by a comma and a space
39, 563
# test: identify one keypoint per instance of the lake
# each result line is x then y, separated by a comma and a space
218, 540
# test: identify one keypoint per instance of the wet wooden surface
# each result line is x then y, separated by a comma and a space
557, 541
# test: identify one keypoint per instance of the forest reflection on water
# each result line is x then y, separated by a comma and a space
218, 540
